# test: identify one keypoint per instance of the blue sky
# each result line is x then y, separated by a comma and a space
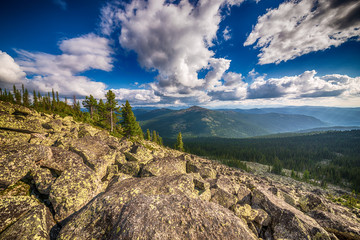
223, 53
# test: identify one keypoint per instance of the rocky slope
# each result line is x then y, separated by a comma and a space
60, 179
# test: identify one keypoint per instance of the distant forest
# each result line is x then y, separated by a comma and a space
330, 157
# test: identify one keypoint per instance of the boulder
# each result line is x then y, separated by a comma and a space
130, 168
139, 153
18, 189
35, 224
245, 212
222, 198
286, 221
43, 179
95, 153
72, 190
17, 161
99, 218
337, 224
12, 208
164, 166
177, 217
62, 160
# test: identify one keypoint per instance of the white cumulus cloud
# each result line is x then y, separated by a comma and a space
61, 72
297, 27
173, 39
10, 72
305, 85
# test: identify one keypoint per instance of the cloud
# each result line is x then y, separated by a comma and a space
173, 39
296, 28
226, 33
305, 85
10, 72
60, 72
61, 3
136, 96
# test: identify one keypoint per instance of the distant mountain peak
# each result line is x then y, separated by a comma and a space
196, 108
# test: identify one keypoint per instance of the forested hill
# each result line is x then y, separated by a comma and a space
333, 157
201, 122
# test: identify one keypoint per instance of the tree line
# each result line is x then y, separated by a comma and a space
120, 121
331, 157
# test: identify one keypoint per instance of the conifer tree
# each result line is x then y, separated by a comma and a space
10, 97
160, 140
148, 136
101, 108
130, 126
154, 136
26, 100
179, 143
90, 103
57, 97
17, 95
53, 102
35, 100
111, 105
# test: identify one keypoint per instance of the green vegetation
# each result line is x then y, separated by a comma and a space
179, 143
330, 157
348, 200
129, 124
104, 115
277, 166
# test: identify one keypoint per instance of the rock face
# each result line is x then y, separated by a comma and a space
60, 179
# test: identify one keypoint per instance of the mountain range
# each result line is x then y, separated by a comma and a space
238, 123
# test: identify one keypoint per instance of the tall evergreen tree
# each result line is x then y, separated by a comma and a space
26, 100
179, 143
160, 140
17, 95
111, 105
10, 97
130, 126
148, 136
90, 103
53, 102
35, 100
101, 108
154, 136
57, 97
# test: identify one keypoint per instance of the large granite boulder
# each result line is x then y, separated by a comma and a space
100, 216
177, 217
73, 189
34, 224
17, 161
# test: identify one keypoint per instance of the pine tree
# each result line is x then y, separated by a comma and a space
148, 136
26, 100
179, 143
17, 95
131, 127
90, 103
154, 136
53, 102
111, 105
101, 108
10, 97
277, 167
57, 97
160, 140
35, 100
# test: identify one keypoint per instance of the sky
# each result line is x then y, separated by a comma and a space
178, 53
